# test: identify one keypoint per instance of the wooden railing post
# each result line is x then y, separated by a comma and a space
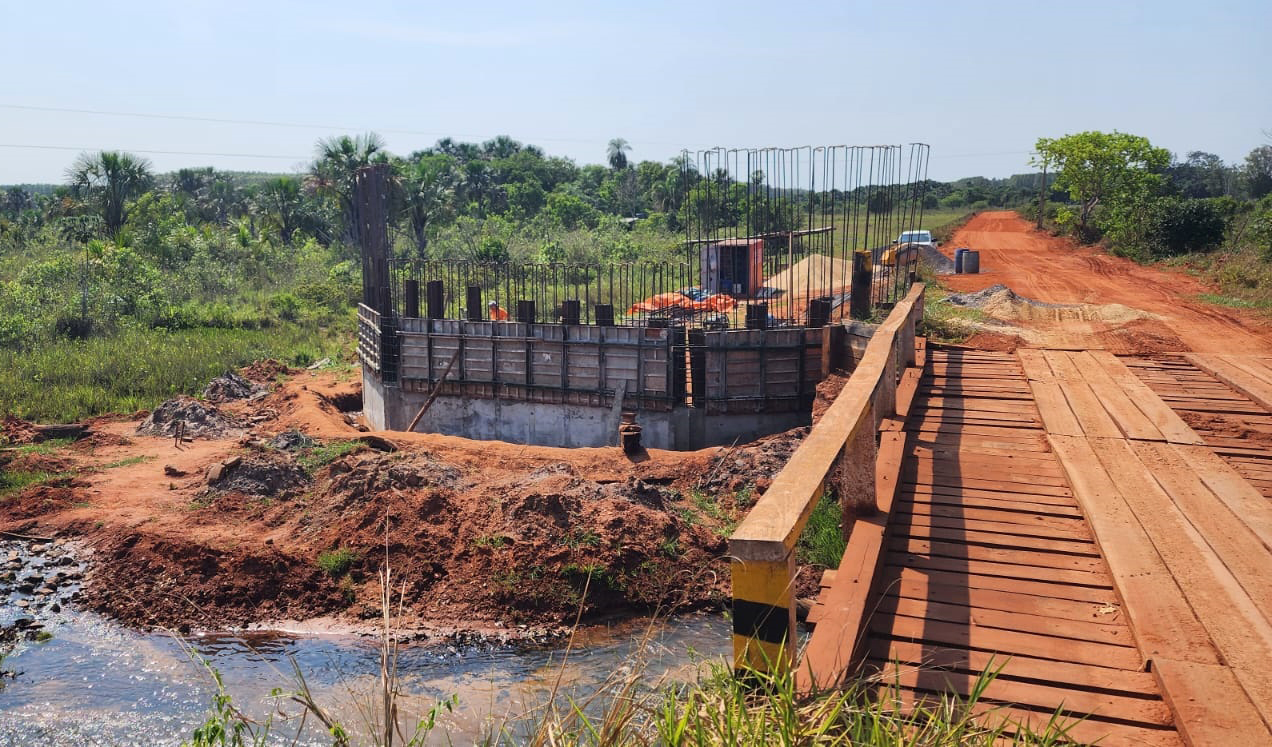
840, 451
763, 613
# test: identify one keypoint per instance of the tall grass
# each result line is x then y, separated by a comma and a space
65, 380
822, 541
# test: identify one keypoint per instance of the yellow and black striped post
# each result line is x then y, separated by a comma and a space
764, 614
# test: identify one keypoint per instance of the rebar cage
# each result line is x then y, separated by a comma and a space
774, 237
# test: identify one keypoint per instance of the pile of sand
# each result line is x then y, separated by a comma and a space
1002, 303
813, 276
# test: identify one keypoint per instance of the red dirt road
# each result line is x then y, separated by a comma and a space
1042, 267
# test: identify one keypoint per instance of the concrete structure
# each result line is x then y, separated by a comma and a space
568, 385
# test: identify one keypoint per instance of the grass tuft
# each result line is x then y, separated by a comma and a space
337, 562
822, 542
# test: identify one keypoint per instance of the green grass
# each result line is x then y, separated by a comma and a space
822, 542
136, 369
490, 541
319, 456
18, 480
946, 322
128, 461
337, 562
43, 447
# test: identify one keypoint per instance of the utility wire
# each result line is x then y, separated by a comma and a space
155, 152
290, 125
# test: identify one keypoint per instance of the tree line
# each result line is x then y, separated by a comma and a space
1145, 203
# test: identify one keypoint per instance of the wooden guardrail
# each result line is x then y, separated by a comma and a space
842, 443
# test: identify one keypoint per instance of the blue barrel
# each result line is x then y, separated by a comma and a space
958, 260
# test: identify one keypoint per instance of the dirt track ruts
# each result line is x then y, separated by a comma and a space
1046, 268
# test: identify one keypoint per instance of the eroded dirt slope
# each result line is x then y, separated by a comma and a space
241, 526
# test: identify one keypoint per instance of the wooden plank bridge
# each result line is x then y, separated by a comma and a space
1049, 514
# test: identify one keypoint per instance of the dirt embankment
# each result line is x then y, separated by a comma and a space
278, 512
1108, 302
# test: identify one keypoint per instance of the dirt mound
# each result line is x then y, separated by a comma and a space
267, 371
201, 420
292, 441
258, 476
16, 431
1141, 337
753, 464
936, 262
229, 387
150, 580
1002, 303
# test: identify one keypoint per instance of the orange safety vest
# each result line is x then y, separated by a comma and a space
498, 315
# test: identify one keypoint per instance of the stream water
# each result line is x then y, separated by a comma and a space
94, 682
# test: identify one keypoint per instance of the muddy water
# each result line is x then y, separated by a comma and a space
96, 683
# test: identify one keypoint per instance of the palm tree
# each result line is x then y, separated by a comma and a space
616, 153
282, 204
335, 170
108, 180
428, 186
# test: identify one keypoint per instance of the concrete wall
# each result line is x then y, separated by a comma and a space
565, 425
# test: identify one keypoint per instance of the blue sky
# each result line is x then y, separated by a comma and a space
979, 81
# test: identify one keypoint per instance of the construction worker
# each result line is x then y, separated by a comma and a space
497, 314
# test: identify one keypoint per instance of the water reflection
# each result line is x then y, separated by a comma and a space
97, 683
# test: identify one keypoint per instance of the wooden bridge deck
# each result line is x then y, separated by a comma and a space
1056, 516
989, 562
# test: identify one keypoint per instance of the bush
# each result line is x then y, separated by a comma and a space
337, 562
1165, 227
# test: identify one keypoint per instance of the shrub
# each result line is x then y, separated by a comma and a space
337, 562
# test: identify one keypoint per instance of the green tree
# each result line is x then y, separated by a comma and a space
428, 187
282, 203
336, 167
1099, 167
108, 181
1258, 171
616, 153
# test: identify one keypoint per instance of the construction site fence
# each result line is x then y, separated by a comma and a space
650, 294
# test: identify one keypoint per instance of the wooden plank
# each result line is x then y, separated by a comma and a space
1069, 728
999, 519
1241, 634
1001, 536
938, 548
1142, 684
1045, 697
1015, 585
1161, 618
1235, 492
1017, 620
1010, 642
1210, 705
1242, 551
1089, 410
1219, 367
1000, 569
1167, 422
1035, 366
840, 629
1054, 409
1133, 423
921, 587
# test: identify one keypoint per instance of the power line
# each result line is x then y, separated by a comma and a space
155, 152
293, 125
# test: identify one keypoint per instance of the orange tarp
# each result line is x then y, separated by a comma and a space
718, 302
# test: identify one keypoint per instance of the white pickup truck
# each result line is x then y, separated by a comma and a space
922, 238
906, 248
